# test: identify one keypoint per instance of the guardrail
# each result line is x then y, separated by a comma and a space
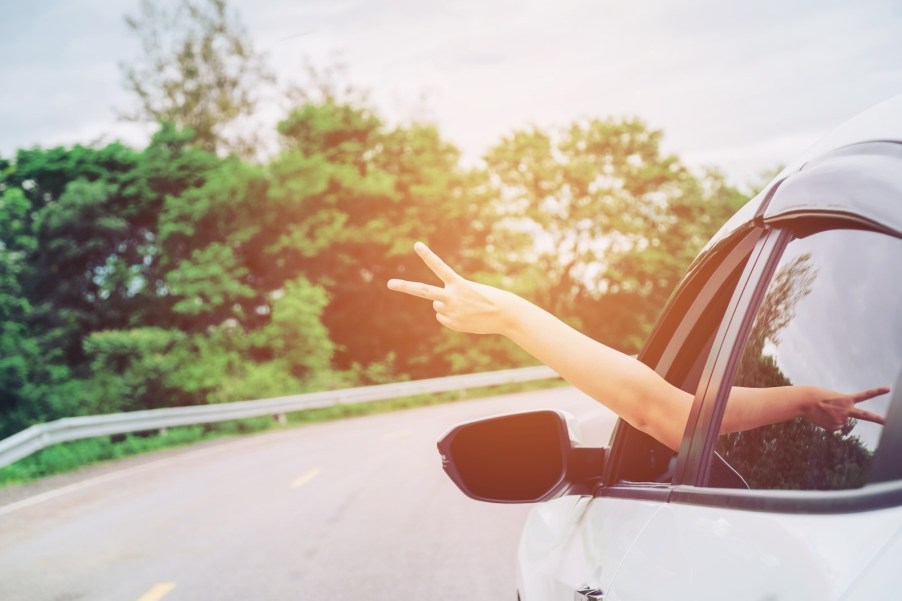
40, 436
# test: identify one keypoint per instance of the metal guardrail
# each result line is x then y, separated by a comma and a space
40, 436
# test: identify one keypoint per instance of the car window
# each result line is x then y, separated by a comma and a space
830, 318
678, 349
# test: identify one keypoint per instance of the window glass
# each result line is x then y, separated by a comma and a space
830, 319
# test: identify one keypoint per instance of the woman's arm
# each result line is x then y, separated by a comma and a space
749, 408
623, 384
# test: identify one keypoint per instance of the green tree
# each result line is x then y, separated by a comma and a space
76, 230
19, 350
198, 70
350, 196
614, 221
34, 379
93, 214
133, 369
78, 256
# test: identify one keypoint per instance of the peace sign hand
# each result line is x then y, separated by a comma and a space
461, 305
833, 411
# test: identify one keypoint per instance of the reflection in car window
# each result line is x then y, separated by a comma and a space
830, 318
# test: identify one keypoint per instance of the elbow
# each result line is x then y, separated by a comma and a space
662, 421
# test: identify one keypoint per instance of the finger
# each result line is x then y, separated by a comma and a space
444, 320
417, 289
869, 394
434, 262
868, 416
438, 306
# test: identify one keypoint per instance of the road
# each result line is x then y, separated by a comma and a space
355, 509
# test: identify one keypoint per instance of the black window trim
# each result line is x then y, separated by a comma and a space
887, 466
871, 497
700, 437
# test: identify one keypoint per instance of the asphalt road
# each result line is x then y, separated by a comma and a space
356, 509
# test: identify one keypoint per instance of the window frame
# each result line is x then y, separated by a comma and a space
703, 426
677, 323
691, 484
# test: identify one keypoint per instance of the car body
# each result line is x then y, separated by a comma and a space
803, 286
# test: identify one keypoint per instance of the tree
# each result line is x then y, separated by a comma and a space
79, 255
198, 70
78, 235
614, 222
34, 379
640, 277
350, 196
93, 214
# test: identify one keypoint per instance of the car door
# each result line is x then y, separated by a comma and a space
577, 544
820, 308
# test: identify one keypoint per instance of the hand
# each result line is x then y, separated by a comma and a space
460, 305
832, 411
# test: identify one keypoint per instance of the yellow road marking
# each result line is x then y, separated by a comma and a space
157, 591
305, 478
395, 435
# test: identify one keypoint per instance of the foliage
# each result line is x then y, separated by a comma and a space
615, 221
349, 197
132, 369
176, 274
198, 70
166, 276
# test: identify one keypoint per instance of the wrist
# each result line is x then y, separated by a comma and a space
810, 401
510, 308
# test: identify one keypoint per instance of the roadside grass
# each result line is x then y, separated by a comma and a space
70, 456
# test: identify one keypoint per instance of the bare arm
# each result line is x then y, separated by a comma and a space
749, 408
626, 386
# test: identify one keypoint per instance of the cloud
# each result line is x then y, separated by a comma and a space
716, 77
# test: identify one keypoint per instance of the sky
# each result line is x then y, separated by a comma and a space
741, 87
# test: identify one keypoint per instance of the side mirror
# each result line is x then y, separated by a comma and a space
520, 458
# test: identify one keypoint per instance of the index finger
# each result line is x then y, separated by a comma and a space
869, 394
433, 262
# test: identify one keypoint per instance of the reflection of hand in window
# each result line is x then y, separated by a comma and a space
832, 410
749, 408
805, 453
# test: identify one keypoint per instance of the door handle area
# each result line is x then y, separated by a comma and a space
588, 593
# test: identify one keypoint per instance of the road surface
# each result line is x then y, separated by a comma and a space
354, 509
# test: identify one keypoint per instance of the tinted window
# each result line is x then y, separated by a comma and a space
830, 318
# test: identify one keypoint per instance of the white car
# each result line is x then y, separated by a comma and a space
802, 286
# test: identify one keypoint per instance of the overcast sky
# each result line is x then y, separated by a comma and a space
740, 88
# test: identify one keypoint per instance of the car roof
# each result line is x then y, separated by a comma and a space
855, 170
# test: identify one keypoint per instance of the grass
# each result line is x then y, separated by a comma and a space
69, 456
